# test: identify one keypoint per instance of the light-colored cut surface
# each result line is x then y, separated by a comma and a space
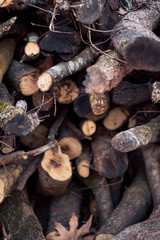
71, 146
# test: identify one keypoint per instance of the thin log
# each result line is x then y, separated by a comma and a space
106, 73
134, 40
136, 137
99, 103
6, 26
107, 161
88, 127
116, 118
132, 208
152, 165
156, 92
7, 144
23, 78
65, 69
101, 191
61, 210
7, 48
18, 218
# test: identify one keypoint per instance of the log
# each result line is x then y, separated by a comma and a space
106, 73
135, 40
107, 162
128, 94
7, 48
82, 105
136, 137
31, 49
116, 118
156, 92
43, 101
88, 127
65, 69
132, 208
19, 219
99, 103
61, 210
66, 91
23, 78
15, 121
7, 144
6, 26
5, 3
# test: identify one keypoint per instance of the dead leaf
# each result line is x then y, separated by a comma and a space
73, 233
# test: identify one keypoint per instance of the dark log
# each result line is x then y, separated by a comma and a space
101, 191
133, 138
152, 165
132, 208
18, 218
7, 144
66, 91
6, 26
82, 105
61, 210
19, 5
23, 78
83, 162
65, 69
128, 94
7, 48
106, 73
43, 101
108, 162
135, 40
116, 186
116, 118
14, 120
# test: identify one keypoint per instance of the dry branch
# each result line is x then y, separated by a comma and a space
6, 26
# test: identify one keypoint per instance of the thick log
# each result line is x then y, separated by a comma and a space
7, 48
156, 92
116, 118
108, 162
106, 73
6, 26
23, 78
18, 218
128, 94
14, 120
136, 137
134, 40
101, 191
82, 105
61, 210
43, 101
65, 69
132, 208
99, 103
54, 172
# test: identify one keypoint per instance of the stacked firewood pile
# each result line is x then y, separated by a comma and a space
79, 119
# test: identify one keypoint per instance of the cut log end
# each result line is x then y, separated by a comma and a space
99, 103
125, 142
57, 165
32, 49
143, 54
44, 81
83, 168
71, 146
2, 186
28, 84
107, 236
5, 3
88, 127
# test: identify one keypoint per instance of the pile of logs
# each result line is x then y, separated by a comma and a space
79, 119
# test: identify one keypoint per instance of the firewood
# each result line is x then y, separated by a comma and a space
43, 101
108, 162
5, 3
37, 138
7, 144
19, 219
156, 92
69, 142
135, 40
66, 91
23, 78
137, 196
54, 172
128, 94
61, 210
15, 121
65, 69
136, 137
18, 5
7, 48
89, 12
88, 127
116, 186
106, 73
99, 103
31, 49
116, 118
152, 165
76, 130
6, 26
83, 162
94, 117
101, 191
82, 105
148, 229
